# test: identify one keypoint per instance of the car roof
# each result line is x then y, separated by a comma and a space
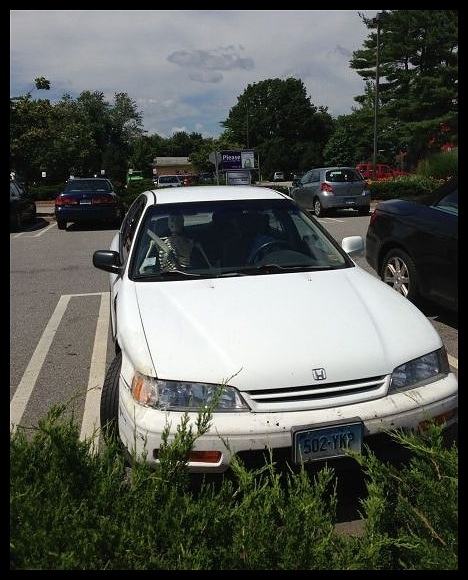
211, 193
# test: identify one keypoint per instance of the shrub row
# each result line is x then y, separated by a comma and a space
45, 192
404, 187
70, 509
440, 165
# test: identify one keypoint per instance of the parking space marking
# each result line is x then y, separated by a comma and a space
25, 388
43, 231
453, 362
17, 235
91, 417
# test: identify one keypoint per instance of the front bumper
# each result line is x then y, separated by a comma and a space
87, 213
141, 427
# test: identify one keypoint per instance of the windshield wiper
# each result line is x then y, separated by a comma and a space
168, 274
271, 268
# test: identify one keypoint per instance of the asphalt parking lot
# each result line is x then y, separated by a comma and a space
60, 344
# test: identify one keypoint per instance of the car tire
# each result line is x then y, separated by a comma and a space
318, 208
109, 410
396, 263
364, 210
61, 225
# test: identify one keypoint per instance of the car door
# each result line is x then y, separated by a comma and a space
443, 238
122, 243
309, 184
435, 249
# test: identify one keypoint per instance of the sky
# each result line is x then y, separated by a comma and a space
186, 68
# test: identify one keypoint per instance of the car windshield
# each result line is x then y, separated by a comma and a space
88, 185
342, 175
226, 238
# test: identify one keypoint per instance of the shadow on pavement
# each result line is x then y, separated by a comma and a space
38, 224
440, 314
92, 227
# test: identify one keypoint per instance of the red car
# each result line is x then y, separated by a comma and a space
382, 171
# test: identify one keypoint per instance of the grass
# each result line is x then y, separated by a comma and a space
70, 509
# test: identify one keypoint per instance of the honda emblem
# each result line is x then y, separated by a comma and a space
319, 374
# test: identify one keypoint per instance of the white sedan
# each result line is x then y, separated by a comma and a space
237, 286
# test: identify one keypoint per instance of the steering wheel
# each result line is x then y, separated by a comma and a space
268, 245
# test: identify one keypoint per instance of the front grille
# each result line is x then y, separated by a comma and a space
318, 395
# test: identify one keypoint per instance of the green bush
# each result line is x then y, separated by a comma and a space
440, 165
404, 187
45, 192
70, 509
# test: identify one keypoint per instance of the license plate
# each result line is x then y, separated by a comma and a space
351, 201
85, 202
326, 441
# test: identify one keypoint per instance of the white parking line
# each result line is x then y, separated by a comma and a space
42, 231
91, 417
453, 362
336, 220
17, 235
25, 388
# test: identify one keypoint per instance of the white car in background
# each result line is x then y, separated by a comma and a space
169, 181
237, 286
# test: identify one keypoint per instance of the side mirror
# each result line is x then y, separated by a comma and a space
353, 245
108, 261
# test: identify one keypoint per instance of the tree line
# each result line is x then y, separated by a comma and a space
418, 114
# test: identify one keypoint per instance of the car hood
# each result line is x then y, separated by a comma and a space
270, 331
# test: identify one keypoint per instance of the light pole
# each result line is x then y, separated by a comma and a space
378, 18
247, 110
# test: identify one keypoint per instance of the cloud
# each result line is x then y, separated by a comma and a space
222, 58
340, 50
178, 129
206, 76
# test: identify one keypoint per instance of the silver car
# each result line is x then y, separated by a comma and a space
328, 188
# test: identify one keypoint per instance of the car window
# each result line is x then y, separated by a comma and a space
306, 178
213, 239
449, 203
76, 185
342, 175
129, 226
14, 190
169, 179
315, 176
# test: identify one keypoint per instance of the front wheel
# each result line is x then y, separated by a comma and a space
62, 225
109, 410
399, 271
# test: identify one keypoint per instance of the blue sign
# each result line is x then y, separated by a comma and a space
237, 160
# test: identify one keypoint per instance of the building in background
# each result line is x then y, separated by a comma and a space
172, 166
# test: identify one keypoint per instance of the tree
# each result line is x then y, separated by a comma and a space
277, 118
418, 92
42, 83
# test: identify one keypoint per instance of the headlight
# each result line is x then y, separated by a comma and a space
182, 396
426, 368
365, 192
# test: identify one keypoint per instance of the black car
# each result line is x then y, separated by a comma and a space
414, 246
22, 206
87, 200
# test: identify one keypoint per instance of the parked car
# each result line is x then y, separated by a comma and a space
169, 181
199, 280
327, 188
86, 200
382, 171
414, 246
278, 176
22, 206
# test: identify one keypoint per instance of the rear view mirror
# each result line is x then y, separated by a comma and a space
353, 245
108, 261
